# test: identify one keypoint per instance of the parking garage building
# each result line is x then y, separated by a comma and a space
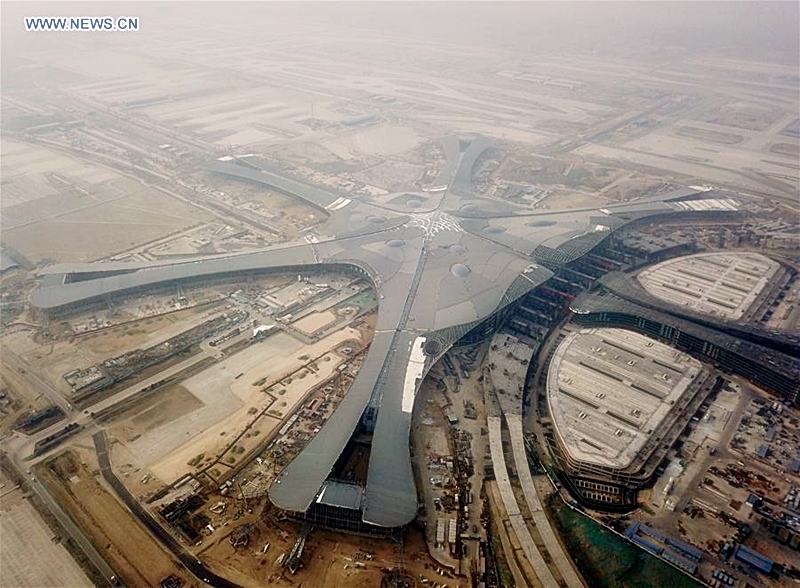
617, 401
725, 285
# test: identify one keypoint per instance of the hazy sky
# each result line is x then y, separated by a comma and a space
750, 30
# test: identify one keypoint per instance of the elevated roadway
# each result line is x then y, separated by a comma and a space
543, 525
515, 517
511, 358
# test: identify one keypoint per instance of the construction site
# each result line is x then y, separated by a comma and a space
206, 393
391, 301
200, 422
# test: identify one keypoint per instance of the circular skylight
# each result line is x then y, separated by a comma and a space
432, 347
460, 270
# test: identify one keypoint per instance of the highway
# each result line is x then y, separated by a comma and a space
194, 565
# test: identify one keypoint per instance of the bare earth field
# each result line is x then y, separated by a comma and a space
226, 404
53, 360
711, 136
315, 321
127, 546
94, 211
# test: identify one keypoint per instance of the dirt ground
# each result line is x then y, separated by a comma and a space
86, 235
391, 175
231, 402
157, 410
142, 333
564, 199
632, 186
328, 559
109, 525
315, 321
52, 360
709, 135
93, 210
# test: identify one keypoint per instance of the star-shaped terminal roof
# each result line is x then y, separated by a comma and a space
442, 261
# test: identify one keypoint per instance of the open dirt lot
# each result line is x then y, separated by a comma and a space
52, 360
129, 549
315, 321
93, 210
392, 175
563, 199
142, 333
226, 402
160, 409
709, 135
375, 140
106, 228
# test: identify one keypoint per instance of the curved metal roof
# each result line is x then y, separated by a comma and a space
439, 273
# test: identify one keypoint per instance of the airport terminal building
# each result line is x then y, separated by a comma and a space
447, 266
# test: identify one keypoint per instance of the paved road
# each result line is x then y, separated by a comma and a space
16, 363
191, 563
63, 518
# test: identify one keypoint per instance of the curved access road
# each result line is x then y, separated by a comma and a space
194, 565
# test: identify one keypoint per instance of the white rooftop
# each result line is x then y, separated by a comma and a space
721, 284
609, 389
